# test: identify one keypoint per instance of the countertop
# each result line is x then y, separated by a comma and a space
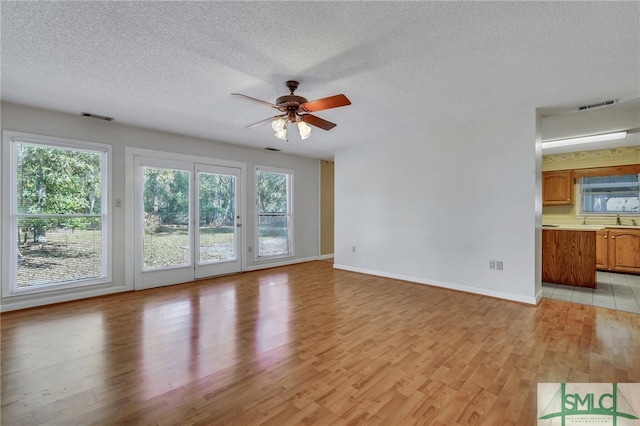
574, 227
587, 227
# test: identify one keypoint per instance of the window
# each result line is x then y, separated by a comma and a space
273, 206
610, 194
58, 215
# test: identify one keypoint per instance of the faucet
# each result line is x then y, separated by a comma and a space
618, 220
633, 222
584, 220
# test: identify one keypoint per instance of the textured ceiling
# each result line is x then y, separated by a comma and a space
407, 67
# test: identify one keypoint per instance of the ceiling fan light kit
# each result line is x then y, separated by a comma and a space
305, 130
278, 124
296, 109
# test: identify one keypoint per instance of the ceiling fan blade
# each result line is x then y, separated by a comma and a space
317, 121
250, 126
256, 100
325, 103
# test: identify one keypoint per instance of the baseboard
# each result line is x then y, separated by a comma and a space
441, 284
539, 296
325, 256
43, 300
266, 265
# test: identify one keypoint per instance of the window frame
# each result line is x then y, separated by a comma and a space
10, 215
290, 215
581, 194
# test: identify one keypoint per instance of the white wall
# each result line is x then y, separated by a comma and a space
621, 116
306, 183
436, 208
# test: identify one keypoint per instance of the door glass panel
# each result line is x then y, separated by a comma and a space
166, 218
217, 217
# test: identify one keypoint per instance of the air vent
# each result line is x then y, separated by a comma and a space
96, 116
598, 105
273, 149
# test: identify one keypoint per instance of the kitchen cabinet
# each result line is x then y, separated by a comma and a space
557, 188
618, 250
569, 257
602, 249
624, 250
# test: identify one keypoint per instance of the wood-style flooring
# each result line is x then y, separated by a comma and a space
302, 345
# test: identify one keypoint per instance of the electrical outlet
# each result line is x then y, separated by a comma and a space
353, 249
492, 264
118, 202
499, 265
250, 249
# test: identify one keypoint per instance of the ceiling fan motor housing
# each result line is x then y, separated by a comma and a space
291, 101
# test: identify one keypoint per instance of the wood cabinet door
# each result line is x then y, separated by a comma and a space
557, 188
624, 250
602, 250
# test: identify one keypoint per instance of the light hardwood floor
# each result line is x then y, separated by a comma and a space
303, 344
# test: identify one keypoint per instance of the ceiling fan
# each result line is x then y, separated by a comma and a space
296, 109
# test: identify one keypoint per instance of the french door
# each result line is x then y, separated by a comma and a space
187, 221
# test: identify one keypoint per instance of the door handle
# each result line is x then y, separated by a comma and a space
238, 225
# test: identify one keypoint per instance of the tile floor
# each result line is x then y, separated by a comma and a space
615, 291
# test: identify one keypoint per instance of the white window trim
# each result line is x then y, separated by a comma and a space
7, 232
291, 253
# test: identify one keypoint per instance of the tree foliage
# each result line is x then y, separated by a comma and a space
54, 180
166, 195
166, 198
216, 199
271, 192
